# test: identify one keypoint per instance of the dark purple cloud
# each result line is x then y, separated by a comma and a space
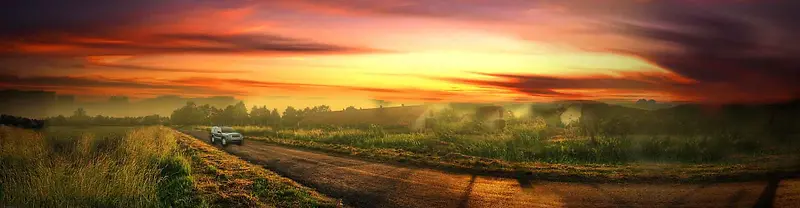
159, 69
731, 51
101, 86
192, 86
178, 43
42, 65
748, 52
548, 86
95, 17
112, 27
457, 9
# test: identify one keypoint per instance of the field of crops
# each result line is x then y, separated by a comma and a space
532, 141
133, 167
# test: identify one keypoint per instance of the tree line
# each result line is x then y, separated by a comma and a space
237, 114
193, 114
80, 117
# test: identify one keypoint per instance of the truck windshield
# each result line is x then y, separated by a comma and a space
228, 130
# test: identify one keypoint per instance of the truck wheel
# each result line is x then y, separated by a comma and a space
224, 142
241, 142
211, 139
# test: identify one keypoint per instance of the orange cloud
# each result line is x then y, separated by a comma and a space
627, 86
200, 86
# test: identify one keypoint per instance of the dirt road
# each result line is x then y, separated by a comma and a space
368, 184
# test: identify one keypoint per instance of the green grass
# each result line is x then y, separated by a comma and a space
94, 167
224, 180
530, 147
530, 141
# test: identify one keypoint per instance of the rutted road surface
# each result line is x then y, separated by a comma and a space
369, 184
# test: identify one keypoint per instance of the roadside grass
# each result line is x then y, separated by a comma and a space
109, 168
532, 142
224, 180
644, 172
134, 167
530, 148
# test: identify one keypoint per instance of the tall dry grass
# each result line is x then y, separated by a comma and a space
51, 169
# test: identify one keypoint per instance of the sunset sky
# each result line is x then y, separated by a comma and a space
405, 51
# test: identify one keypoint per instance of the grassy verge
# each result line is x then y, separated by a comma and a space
136, 168
224, 180
631, 172
527, 149
527, 141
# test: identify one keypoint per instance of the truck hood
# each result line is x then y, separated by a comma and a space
232, 134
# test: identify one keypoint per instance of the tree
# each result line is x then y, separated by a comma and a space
349, 108
641, 102
58, 120
274, 117
79, 113
254, 114
323, 108
208, 112
260, 115
290, 116
189, 114
79, 117
215, 116
151, 120
236, 114
99, 119
303, 113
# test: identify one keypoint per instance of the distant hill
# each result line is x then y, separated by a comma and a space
41, 104
772, 119
411, 117
731, 110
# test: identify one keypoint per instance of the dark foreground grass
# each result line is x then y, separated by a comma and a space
134, 167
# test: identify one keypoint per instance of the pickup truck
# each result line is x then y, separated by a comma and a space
225, 135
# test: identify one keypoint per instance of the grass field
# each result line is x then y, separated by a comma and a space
131, 167
530, 141
528, 147
103, 167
